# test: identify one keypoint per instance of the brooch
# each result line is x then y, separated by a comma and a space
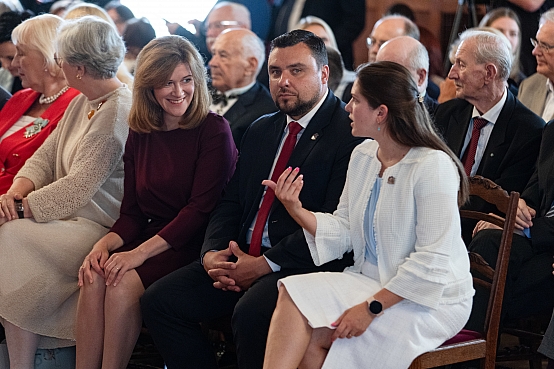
37, 126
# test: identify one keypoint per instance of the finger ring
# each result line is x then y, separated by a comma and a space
116, 268
349, 336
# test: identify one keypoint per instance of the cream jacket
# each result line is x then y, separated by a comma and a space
420, 253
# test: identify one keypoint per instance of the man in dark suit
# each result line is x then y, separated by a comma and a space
238, 56
494, 135
227, 280
410, 53
529, 281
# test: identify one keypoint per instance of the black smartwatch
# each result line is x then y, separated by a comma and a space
374, 306
19, 208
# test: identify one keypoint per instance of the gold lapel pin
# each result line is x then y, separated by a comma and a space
315, 136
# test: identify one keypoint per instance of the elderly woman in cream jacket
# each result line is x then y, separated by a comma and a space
409, 289
65, 197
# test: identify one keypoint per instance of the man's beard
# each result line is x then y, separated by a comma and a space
299, 108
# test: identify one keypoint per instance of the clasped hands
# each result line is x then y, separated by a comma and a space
524, 219
234, 276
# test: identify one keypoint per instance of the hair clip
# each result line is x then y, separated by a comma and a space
420, 98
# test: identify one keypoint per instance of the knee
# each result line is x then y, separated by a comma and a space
96, 287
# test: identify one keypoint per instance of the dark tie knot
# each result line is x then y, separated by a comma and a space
294, 128
221, 99
479, 123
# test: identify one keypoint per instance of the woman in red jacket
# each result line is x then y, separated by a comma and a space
32, 113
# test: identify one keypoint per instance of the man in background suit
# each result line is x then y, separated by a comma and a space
227, 280
238, 56
493, 134
410, 53
345, 17
529, 281
537, 91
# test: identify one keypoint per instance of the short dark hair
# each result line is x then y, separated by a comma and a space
124, 12
10, 20
138, 33
314, 43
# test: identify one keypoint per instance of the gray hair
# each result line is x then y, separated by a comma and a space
410, 28
40, 33
93, 43
252, 45
491, 48
418, 58
239, 12
547, 16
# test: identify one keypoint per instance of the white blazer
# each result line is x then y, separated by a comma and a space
420, 253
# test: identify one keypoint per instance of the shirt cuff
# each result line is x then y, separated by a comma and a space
272, 265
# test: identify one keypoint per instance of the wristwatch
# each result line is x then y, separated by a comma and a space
19, 208
374, 306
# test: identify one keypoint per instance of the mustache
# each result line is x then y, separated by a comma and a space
285, 91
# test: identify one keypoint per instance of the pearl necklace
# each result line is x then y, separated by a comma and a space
50, 99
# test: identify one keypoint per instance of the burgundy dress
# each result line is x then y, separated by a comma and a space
173, 180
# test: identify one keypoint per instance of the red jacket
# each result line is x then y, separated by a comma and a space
16, 149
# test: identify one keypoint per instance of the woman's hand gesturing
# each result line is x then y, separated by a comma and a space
287, 189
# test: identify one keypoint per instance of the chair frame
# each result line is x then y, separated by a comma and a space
482, 348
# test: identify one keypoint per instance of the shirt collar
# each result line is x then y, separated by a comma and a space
308, 117
239, 90
549, 85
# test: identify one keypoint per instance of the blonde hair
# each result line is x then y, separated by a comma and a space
155, 64
81, 10
39, 33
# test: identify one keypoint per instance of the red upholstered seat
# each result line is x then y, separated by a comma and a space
463, 336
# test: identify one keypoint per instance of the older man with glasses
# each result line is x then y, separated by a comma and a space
387, 28
537, 91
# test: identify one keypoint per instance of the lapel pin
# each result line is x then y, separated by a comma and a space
315, 136
391, 180
492, 154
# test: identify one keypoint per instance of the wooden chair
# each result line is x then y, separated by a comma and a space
470, 345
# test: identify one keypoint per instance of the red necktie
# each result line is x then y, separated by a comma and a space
263, 213
469, 156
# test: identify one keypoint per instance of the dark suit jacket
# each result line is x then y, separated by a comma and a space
249, 106
322, 154
510, 155
539, 194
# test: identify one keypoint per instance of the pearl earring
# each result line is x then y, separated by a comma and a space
79, 76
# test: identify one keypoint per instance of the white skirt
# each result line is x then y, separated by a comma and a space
393, 340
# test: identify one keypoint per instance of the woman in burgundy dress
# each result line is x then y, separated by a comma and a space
178, 159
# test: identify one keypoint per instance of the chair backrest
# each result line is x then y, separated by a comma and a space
495, 279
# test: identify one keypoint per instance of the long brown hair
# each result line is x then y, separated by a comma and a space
408, 122
155, 64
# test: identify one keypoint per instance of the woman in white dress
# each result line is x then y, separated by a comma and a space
65, 197
409, 289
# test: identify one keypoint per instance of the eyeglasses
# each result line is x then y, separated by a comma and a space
541, 45
58, 60
370, 41
220, 26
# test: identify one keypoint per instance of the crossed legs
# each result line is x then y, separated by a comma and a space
108, 322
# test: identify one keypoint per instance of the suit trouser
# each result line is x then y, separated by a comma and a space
529, 280
174, 306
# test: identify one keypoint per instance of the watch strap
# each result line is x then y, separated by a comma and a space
19, 208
